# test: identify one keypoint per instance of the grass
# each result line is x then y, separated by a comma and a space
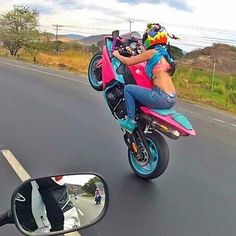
77, 62
196, 85
191, 83
69, 60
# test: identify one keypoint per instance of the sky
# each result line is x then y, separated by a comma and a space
198, 23
80, 179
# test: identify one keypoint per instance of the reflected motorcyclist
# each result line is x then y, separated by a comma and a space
97, 196
61, 212
46, 200
30, 209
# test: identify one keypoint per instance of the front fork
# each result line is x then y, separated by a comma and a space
137, 143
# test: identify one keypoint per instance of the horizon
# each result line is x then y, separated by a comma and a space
184, 51
188, 19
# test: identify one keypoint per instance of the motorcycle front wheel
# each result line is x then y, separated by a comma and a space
95, 72
152, 165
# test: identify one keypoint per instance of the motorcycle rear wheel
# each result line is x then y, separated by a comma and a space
152, 166
95, 73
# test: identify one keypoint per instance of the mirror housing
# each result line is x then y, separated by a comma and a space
115, 33
59, 204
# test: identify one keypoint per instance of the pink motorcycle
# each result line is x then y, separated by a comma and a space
148, 152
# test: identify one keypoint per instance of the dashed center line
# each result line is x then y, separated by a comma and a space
221, 121
16, 166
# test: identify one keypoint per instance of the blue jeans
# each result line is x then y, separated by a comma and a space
153, 98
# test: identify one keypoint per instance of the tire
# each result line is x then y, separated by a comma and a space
157, 163
95, 74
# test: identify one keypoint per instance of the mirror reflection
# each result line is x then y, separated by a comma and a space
59, 203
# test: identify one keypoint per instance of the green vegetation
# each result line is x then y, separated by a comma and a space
18, 29
200, 86
90, 186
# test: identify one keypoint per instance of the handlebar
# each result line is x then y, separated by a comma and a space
6, 218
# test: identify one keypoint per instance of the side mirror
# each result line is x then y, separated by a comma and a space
115, 33
59, 204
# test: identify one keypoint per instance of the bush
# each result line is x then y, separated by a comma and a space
220, 89
230, 82
232, 96
202, 80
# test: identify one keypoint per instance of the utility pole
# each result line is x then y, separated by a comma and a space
213, 73
56, 41
57, 29
130, 22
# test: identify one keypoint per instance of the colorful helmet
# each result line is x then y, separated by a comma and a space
155, 34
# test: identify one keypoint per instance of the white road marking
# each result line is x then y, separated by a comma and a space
233, 125
221, 121
81, 213
44, 72
23, 175
188, 111
15, 164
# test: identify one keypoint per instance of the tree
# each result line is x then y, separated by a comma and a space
176, 52
18, 29
93, 48
90, 186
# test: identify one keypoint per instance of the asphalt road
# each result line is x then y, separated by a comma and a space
88, 210
54, 123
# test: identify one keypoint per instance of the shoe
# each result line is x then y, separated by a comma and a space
127, 124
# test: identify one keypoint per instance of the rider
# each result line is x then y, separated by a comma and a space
159, 68
61, 212
97, 194
44, 205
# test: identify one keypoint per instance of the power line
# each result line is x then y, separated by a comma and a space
185, 40
57, 28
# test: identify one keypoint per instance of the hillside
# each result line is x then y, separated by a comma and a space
223, 54
94, 39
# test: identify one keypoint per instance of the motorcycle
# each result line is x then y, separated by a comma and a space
148, 152
98, 199
46, 206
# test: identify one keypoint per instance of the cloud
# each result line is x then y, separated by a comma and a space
177, 4
73, 5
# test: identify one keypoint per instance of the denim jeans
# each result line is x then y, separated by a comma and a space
153, 98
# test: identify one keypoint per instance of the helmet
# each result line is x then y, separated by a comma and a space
155, 34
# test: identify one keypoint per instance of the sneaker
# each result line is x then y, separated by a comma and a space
127, 124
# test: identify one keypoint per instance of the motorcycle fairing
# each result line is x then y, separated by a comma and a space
115, 64
173, 118
121, 71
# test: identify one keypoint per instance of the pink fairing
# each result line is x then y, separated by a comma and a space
107, 71
168, 120
141, 78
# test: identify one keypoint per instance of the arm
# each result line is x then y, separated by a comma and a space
146, 55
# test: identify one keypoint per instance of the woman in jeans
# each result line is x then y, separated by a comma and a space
159, 68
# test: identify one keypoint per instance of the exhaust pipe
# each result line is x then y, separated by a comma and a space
169, 132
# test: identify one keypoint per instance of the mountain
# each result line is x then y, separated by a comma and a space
72, 36
223, 55
94, 39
